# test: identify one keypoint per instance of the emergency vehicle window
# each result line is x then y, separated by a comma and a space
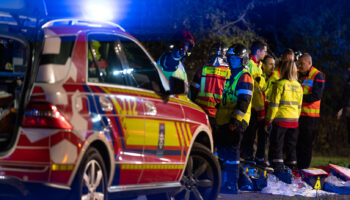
142, 72
66, 44
104, 63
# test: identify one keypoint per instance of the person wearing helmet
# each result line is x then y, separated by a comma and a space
233, 114
258, 52
171, 62
209, 81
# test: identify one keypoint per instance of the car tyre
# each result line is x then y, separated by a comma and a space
202, 176
91, 179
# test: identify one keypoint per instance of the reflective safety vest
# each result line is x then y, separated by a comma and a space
258, 98
178, 73
212, 84
310, 109
229, 101
285, 104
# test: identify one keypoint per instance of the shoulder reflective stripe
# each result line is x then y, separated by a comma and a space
273, 104
238, 112
243, 91
215, 71
308, 82
277, 160
236, 162
289, 103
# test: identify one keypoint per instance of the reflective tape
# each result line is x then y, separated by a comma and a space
58, 167
277, 160
150, 166
239, 113
274, 104
243, 91
236, 162
289, 103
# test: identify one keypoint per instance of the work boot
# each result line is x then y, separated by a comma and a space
244, 182
283, 174
231, 186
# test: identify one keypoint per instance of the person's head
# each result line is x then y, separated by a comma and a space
237, 56
288, 54
183, 42
259, 49
289, 70
268, 65
304, 63
217, 51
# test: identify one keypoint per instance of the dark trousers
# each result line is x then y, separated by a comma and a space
283, 138
254, 128
229, 142
307, 126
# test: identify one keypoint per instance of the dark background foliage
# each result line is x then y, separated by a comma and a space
317, 27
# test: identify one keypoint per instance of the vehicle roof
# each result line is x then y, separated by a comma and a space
74, 26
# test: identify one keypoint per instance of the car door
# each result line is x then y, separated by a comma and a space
165, 132
117, 106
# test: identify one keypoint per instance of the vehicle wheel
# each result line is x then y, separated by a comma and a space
91, 179
202, 176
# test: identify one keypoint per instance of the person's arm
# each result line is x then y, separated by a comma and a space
195, 84
243, 91
317, 89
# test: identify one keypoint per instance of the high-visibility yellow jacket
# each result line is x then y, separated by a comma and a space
236, 102
270, 81
285, 104
259, 83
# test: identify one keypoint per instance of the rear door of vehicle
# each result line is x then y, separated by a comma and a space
165, 130
117, 106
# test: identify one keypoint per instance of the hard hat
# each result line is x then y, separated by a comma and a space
218, 50
240, 51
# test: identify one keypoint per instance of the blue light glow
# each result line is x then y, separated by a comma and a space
102, 10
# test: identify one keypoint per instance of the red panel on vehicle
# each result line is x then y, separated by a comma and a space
152, 176
129, 176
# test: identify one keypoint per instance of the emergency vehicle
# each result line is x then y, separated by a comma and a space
86, 111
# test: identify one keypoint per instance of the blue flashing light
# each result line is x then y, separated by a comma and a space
99, 10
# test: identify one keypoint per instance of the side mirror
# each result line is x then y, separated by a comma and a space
177, 86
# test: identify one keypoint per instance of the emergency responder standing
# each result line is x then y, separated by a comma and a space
284, 111
258, 52
270, 76
313, 82
209, 82
171, 62
233, 114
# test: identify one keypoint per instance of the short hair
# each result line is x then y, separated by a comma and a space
288, 51
257, 45
267, 57
289, 70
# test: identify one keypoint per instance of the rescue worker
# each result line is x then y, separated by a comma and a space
171, 62
313, 83
209, 82
271, 76
258, 52
233, 114
283, 111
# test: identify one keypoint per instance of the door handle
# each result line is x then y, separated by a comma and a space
150, 108
106, 105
